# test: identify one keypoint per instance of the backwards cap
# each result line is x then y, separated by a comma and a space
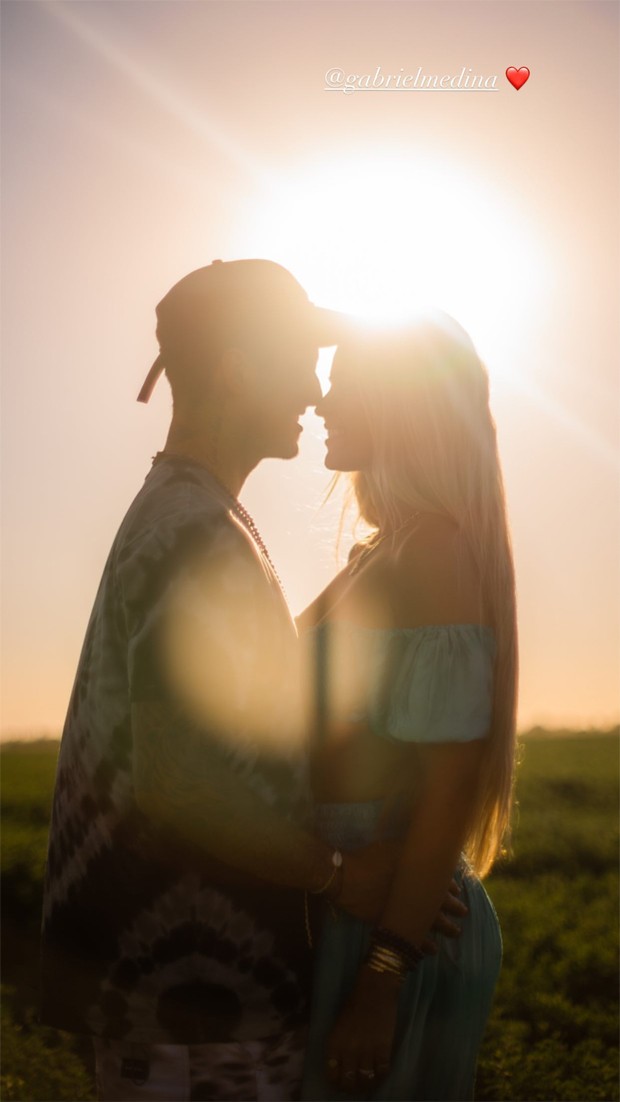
233, 296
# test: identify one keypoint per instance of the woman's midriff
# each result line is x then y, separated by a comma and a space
356, 765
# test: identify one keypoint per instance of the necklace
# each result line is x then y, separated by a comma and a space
237, 508
368, 550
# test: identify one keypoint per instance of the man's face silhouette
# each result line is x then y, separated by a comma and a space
279, 382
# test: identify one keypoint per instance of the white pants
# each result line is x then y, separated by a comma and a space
266, 1071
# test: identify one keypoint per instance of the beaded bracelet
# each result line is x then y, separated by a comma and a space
387, 961
410, 953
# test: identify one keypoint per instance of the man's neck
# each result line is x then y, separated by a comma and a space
212, 450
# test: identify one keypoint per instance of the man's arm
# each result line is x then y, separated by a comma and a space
203, 668
200, 800
197, 614
183, 785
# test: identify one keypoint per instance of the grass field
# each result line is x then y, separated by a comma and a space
553, 1032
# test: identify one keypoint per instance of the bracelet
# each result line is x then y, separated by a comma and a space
411, 953
386, 961
337, 863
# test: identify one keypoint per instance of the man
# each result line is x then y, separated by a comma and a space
174, 925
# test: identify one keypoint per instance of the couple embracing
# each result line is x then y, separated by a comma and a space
266, 841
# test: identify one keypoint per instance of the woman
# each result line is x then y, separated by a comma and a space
418, 654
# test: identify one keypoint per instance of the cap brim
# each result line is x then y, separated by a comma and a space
330, 327
325, 327
151, 379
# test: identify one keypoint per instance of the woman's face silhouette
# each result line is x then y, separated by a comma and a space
349, 439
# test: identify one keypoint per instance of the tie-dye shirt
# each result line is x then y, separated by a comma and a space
144, 937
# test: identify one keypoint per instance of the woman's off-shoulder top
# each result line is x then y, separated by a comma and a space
427, 684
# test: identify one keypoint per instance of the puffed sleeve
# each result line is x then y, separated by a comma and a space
437, 685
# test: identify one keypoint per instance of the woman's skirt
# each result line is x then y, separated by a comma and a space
443, 1004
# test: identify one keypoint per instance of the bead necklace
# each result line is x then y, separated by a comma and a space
237, 508
368, 550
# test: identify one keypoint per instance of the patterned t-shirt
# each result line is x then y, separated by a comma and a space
144, 936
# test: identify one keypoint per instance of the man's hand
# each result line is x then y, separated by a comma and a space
366, 877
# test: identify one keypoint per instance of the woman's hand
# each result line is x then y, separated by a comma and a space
443, 924
360, 1044
366, 877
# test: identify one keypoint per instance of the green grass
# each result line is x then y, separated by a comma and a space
553, 1031
40, 1063
27, 777
567, 814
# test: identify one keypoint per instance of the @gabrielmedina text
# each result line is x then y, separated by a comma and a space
466, 80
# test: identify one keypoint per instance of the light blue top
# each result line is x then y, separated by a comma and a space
427, 684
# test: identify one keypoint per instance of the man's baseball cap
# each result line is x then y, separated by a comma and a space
229, 298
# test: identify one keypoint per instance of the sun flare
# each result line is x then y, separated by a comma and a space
386, 236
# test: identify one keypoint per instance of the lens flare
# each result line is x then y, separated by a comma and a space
388, 235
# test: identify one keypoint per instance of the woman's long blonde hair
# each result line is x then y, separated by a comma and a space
426, 392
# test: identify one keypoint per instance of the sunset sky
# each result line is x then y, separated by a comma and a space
143, 139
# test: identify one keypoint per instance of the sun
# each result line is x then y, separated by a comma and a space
386, 235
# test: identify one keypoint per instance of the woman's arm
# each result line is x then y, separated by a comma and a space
434, 582
364, 1032
441, 820
320, 607
185, 788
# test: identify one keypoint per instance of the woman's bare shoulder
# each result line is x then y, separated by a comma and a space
320, 608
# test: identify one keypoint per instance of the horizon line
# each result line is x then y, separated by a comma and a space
532, 730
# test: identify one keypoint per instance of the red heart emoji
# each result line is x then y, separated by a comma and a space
517, 77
